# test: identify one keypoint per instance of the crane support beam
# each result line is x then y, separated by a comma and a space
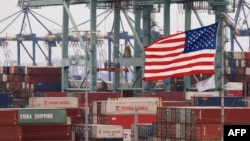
101, 3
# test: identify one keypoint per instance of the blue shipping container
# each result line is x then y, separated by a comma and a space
229, 101
6, 105
39, 94
47, 86
6, 97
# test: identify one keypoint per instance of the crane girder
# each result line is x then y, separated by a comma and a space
101, 3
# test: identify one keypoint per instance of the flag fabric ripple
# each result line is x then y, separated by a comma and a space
185, 53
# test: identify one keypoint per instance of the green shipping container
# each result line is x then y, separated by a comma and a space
42, 116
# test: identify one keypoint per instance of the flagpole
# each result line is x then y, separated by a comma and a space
221, 26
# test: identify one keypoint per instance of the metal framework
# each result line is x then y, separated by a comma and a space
142, 9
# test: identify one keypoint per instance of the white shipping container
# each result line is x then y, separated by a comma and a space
100, 131
127, 134
233, 86
138, 99
188, 95
247, 70
5, 77
122, 107
53, 102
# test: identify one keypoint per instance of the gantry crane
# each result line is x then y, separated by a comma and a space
239, 25
142, 9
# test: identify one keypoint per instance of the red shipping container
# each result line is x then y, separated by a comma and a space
96, 96
8, 117
55, 94
247, 54
77, 120
203, 132
11, 133
166, 96
46, 132
75, 112
175, 103
42, 78
212, 115
234, 92
127, 120
37, 70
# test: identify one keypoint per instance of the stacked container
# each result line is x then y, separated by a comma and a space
9, 128
44, 124
196, 123
229, 101
6, 100
237, 69
125, 111
12, 80
98, 132
144, 132
27, 81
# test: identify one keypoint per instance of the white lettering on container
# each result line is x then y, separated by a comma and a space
36, 116
25, 116
44, 116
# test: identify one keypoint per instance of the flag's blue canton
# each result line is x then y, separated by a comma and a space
201, 38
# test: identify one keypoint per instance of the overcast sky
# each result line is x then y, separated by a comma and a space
80, 14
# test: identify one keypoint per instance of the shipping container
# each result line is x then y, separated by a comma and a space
46, 86
42, 116
79, 131
203, 132
144, 131
203, 115
213, 115
189, 95
127, 134
76, 120
107, 131
76, 112
138, 99
123, 108
42, 78
233, 86
40, 70
55, 94
11, 133
234, 93
8, 116
176, 103
171, 95
53, 102
229, 101
126, 120
97, 96
6, 105
35, 132
98, 132
6, 97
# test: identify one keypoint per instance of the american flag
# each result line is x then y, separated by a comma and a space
185, 53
